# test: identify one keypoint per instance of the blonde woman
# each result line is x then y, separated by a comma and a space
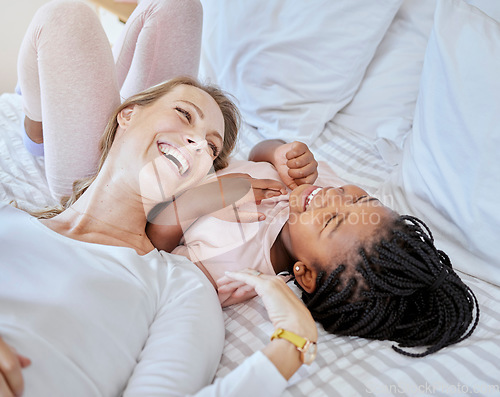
87, 305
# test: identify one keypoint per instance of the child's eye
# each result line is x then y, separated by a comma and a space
214, 148
331, 219
359, 198
185, 113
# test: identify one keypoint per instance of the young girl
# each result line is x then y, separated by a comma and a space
364, 270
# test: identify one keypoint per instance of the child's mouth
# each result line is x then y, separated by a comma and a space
310, 197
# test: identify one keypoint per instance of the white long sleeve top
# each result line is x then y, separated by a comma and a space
100, 320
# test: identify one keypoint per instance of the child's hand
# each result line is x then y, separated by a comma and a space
295, 164
231, 292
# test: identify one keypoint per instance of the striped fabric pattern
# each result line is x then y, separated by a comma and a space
345, 366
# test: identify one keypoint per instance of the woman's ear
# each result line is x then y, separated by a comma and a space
125, 115
306, 276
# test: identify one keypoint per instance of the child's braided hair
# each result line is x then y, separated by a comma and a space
409, 293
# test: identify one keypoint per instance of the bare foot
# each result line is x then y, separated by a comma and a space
34, 130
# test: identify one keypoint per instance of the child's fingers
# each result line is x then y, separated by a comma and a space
297, 149
247, 291
310, 179
304, 172
301, 160
229, 285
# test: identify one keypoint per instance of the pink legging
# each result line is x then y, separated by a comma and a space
72, 81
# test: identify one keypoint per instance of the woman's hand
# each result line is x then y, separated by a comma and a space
261, 188
11, 364
285, 311
295, 164
244, 209
283, 307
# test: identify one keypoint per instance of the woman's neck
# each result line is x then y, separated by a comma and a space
108, 213
281, 259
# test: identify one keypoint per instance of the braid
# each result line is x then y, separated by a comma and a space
408, 293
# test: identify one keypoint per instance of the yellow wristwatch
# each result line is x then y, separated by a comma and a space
307, 348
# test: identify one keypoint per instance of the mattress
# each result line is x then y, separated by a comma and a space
345, 366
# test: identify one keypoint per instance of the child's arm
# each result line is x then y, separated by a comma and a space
294, 161
167, 222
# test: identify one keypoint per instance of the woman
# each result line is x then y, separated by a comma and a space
91, 306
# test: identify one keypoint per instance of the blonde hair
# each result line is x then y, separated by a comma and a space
231, 124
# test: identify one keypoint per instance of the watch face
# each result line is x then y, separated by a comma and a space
309, 352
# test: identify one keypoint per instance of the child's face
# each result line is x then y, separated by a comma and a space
327, 225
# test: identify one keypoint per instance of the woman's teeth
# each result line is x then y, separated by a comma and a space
311, 196
175, 156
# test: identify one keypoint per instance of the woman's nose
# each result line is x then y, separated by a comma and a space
196, 143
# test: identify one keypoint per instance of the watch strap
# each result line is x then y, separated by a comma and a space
297, 340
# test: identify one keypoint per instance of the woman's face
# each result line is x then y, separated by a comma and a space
172, 143
327, 225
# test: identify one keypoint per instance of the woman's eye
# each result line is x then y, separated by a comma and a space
214, 148
185, 113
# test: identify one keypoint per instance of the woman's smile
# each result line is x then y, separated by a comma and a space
176, 156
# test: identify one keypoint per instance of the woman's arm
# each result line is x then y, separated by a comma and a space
186, 340
166, 225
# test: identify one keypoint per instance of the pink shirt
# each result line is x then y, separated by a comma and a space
221, 246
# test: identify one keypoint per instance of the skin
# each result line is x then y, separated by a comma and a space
113, 209
329, 231
302, 247
136, 175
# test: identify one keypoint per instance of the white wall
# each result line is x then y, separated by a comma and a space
15, 16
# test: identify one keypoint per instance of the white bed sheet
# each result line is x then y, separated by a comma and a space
345, 366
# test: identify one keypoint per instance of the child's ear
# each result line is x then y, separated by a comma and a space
305, 275
125, 115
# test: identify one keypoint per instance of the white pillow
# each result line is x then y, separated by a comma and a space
291, 64
382, 109
450, 173
490, 7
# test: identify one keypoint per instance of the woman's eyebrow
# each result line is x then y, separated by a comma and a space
198, 110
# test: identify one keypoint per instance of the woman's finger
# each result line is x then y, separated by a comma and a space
249, 217
10, 368
23, 361
5, 390
268, 184
284, 308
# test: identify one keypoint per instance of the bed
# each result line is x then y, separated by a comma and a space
389, 94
